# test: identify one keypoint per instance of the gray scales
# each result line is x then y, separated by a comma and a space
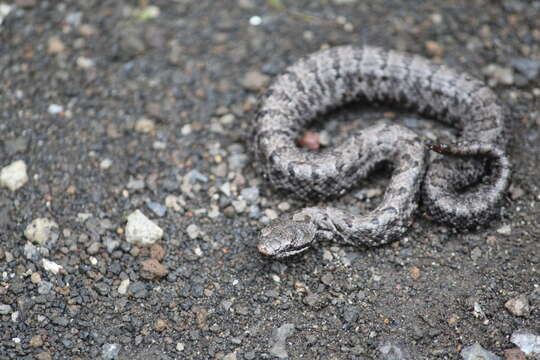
463, 187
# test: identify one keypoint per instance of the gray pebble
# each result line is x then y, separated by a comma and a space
25, 4
220, 170
111, 244
93, 248
499, 75
110, 351
254, 212
230, 356
277, 341
17, 145
239, 206
157, 208
44, 287
93, 225
135, 184
475, 352
518, 306
393, 350
527, 341
238, 161
236, 148
254, 80
195, 176
250, 194
30, 251
351, 314
312, 300
60, 320
74, 18
5, 309
102, 288
193, 231
138, 289
131, 43
529, 68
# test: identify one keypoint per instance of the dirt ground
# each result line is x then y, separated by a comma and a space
118, 106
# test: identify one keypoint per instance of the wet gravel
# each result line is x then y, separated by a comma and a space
115, 108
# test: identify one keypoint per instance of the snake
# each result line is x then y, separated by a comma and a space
460, 183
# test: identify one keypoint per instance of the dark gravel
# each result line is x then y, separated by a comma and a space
116, 108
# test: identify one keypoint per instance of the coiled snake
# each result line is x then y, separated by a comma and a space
461, 188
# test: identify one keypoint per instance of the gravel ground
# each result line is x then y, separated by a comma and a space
117, 112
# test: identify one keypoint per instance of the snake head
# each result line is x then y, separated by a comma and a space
286, 238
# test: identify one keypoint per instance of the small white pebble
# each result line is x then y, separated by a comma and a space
505, 230
145, 126
284, 206
55, 109
227, 119
272, 214
82, 217
193, 231
41, 230
436, 18
213, 212
51, 266
226, 189
14, 175
327, 255
159, 145
5, 9
255, 20
239, 205
142, 231
105, 164
186, 129
174, 202
122, 288
84, 62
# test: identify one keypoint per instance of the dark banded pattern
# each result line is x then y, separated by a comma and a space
330, 78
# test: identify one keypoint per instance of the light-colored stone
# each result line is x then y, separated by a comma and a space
14, 175
145, 125
142, 231
477, 352
528, 342
518, 306
41, 231
51, 266
254, 80
105, 163
499, 75
123, 287
55, 45
193, 231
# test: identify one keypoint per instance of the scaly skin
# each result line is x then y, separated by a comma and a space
330, 78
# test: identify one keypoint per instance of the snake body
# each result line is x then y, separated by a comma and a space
462, 187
